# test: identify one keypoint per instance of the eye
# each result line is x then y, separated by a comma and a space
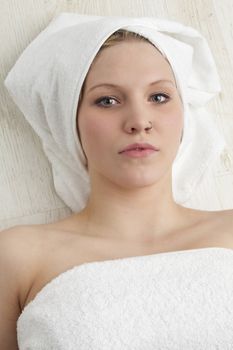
104, 98
161, 98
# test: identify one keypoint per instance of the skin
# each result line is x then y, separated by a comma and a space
131, 198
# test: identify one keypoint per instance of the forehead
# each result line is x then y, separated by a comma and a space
134, 58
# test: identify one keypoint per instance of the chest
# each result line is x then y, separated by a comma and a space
212, 233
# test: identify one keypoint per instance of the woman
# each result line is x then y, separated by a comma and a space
130, 122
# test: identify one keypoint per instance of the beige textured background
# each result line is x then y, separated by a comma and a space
27, 194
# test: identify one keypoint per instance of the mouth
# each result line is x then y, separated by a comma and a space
140, 147
139, 152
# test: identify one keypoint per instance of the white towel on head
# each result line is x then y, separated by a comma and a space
46, 80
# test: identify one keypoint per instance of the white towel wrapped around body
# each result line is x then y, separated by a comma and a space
179, 300
46, 81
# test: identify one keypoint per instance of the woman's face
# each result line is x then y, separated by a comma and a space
142, 90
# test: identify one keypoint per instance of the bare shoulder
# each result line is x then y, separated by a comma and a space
17, 266
14, 242
19, 247
21, 243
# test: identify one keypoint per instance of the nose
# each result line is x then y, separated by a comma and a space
138, 115
138, 125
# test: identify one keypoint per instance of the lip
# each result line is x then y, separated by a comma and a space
139, 147
133, 153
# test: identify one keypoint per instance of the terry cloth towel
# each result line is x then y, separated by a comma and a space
46, 80
179, 300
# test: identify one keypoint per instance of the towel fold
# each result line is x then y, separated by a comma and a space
175, 301
46, 80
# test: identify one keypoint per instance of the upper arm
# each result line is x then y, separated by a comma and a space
11, 272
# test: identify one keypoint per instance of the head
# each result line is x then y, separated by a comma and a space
112, 117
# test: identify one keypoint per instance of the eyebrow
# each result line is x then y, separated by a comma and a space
118, 86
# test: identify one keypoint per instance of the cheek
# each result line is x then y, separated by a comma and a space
172, 121
95, 134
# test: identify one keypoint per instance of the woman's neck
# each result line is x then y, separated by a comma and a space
136, 221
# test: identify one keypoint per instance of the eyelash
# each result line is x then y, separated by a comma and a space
97, 102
